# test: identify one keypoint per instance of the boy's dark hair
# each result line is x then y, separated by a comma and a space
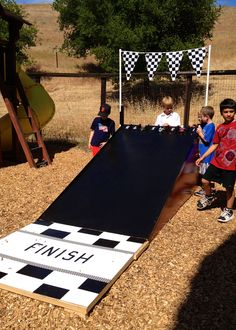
227, 104
104, 110
207, 111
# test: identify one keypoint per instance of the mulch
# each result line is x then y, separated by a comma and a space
186, 279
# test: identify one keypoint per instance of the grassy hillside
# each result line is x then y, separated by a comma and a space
50, 38
224, 41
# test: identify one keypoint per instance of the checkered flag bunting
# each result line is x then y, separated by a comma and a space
152, 60
196, 57
129, 58
174, 59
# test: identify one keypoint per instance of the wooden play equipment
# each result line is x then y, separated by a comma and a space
15, 97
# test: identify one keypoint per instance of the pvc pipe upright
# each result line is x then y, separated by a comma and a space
120, 80
208, 74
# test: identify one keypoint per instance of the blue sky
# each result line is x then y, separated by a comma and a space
220, 2
227, 2
21, 2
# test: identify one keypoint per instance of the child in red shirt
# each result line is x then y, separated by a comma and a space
222, 168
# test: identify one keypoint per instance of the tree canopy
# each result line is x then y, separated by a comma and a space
28, 34
101, 27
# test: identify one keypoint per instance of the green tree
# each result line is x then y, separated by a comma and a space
28, 34
101, 27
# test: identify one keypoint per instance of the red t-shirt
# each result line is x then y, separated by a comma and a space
225, 154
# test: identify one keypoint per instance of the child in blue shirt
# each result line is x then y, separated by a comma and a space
205, 131
102, 129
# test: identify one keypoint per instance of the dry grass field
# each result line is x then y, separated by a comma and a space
186, 279
50, 39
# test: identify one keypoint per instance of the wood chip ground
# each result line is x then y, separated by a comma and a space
186, 279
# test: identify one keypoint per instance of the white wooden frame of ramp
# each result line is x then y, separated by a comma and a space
64, 265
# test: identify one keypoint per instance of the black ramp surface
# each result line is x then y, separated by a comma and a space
124, 188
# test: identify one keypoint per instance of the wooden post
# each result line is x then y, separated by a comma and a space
122, 115
10, 73
103, 90
56, 59
1, 156
37, 79
188, 94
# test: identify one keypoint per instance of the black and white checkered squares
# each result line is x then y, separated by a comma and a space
129, 58
174, 60
153, 60
73, 265
196, 57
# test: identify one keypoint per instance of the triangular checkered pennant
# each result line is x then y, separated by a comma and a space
152, 60
174, 59
196, 57
129, 58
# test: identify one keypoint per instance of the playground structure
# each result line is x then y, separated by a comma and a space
107, 215
29, 105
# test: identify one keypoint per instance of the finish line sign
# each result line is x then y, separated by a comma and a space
65, 265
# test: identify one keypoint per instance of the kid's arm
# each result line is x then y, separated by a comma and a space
90, 138
200, 134
206, 140
211, 149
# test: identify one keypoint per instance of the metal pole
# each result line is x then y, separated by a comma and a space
208, 74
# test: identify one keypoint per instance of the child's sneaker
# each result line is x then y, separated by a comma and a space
199, 193
226, 215
205, 202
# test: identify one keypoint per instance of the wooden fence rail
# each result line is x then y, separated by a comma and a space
188, 75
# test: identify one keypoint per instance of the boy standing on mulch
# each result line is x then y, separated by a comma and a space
102, 129
206, 133
222, 168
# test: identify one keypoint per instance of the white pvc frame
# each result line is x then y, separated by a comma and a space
120, 80
208, 74
120, 76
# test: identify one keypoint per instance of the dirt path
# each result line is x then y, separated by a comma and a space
186, 279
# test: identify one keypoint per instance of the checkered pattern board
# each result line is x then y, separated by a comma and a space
65, 265
174, 60
153, 60
129, 58
197, 56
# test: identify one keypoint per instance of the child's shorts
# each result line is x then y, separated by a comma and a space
95, 150
224, 177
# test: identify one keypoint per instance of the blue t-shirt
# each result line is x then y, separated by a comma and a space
208, 131
103, 129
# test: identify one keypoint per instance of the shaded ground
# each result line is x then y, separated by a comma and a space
186, 279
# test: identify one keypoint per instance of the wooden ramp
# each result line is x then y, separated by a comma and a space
64, 265
103, 220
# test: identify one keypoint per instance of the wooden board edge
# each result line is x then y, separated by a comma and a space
141, 250
80, 310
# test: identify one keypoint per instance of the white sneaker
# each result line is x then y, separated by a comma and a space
205, 202
226, 215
